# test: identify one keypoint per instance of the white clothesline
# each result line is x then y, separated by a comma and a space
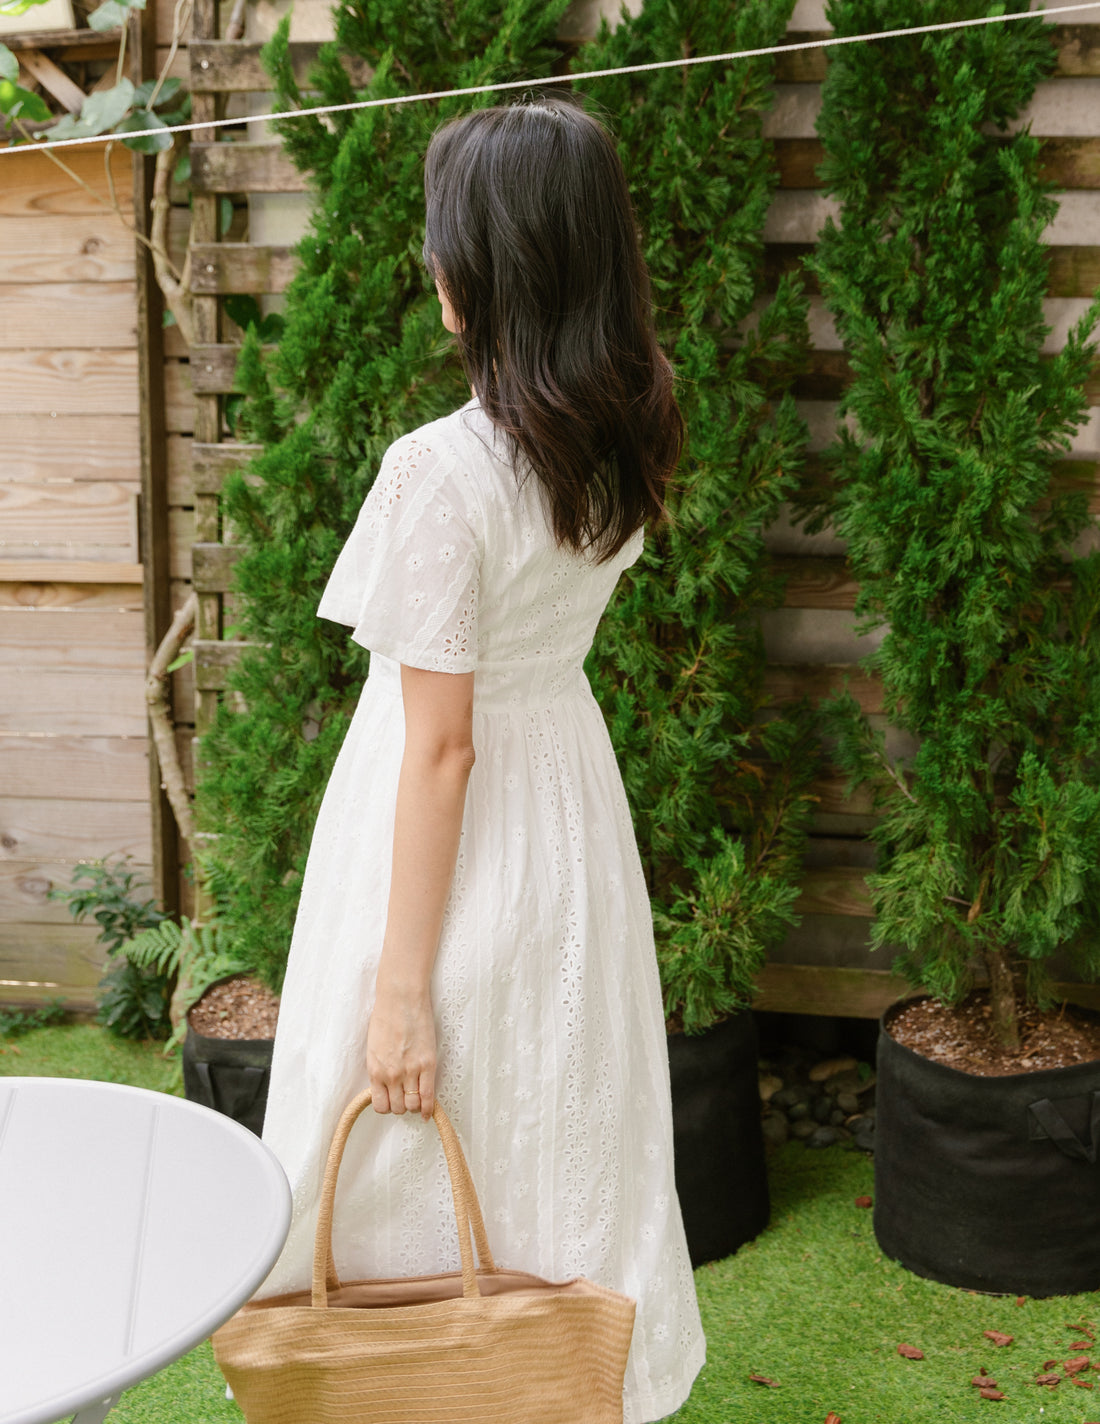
827, 43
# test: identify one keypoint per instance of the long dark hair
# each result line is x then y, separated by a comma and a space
531, 234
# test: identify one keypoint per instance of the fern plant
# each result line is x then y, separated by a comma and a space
188, 950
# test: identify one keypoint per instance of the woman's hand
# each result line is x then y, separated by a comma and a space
401, 1053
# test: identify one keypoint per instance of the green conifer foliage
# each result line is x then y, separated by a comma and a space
962, 542
720, 794
362, 359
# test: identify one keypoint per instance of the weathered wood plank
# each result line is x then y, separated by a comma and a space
1066, 162
1074, 271
72, 597
817, 583
244, 168
1071, 162
33, 187
69, 382
211, 463
25, 887
233, 67
214, 369
181, 488
73, 314
1078, 50
101, 704
214, 661
40, 447
84, 768
62, 829
40, 962
785, 685
212, 567
841, 890
80, 519
1078, 55
81, 247
179, 400
239, 267
93, 641
68, 571
819, 989
181, 537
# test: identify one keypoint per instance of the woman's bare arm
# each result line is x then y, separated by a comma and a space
431, 794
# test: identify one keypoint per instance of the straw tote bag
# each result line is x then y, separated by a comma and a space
463, 1347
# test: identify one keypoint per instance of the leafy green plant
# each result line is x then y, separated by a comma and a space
133, 1001
19, 1021
720, 791
188, 949
960, 531
111, 893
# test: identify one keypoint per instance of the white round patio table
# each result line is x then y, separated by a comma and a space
132, 1224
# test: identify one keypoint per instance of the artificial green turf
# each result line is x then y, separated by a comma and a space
811, 1304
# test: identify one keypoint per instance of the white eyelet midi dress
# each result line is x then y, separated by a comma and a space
552, 1057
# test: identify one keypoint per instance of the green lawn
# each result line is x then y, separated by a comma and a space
811, 1305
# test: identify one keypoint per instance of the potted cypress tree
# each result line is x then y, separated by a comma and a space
720, 794
962, 539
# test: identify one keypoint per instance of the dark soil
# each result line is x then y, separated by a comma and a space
962, 1037
240, 1007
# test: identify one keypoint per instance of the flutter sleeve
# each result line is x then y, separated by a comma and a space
407, 579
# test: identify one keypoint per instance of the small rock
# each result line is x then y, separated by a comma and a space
823, 1137
804, 1128
775, 1129
829, 1067
864, 1135
836, 1118
848, 1103
798, 1111
788, 1097
822, 1110
769, 1086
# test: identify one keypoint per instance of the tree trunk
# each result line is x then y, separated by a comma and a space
1002, 998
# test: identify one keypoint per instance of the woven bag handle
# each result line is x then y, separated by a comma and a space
468, 1217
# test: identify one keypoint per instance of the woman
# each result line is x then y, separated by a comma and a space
474, 920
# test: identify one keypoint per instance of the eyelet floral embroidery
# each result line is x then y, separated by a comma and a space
550, 1036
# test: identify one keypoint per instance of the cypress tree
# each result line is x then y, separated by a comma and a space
720, 793
719, 790
958, 529
361, 360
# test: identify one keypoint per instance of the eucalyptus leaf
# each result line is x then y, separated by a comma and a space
26, 105
105, 108
67, 126
144, 92
148, 143
110, 16
168, 319
9, 65
182, 171
225, 215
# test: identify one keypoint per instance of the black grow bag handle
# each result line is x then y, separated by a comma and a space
1055, 1127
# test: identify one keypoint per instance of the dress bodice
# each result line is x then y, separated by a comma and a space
453, 566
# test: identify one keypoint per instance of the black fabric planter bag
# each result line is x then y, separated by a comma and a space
230, 1075
721, 1176
991, 1184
